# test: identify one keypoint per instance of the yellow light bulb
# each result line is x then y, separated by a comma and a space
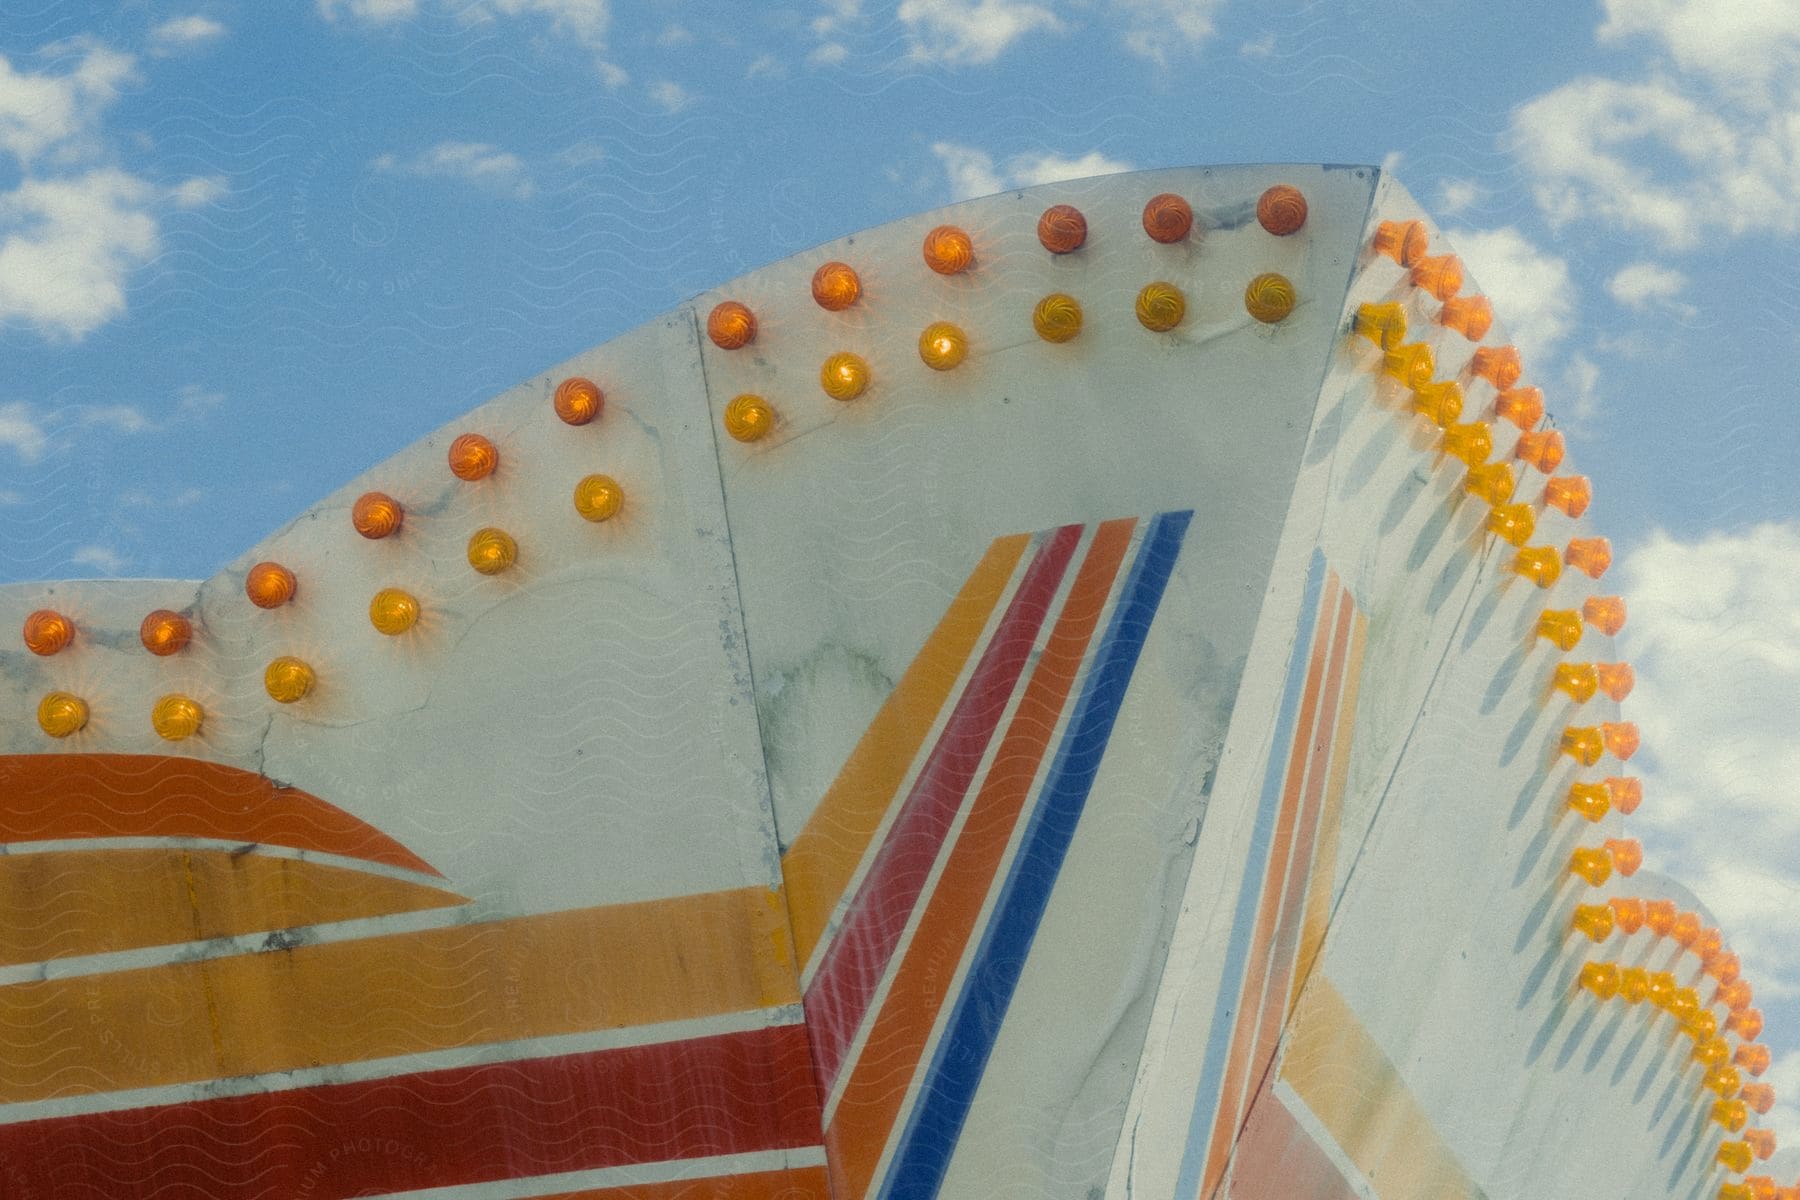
1412, 364
1593, 920
492, 551
598, 497
1440, 403
1384, 323
942, 345
1602, 979
1734, 1156
1473, 443
176, 717
1634, 984
1579, 680
748, 418
61, 714
393, 611
1590, 800
1540, 564
844, 376
1591, 864
1512, 523
1160, 307
1057, 317
1561, 627
1731, 1114
1583, 743
1270, 297
288, 679
1492, 482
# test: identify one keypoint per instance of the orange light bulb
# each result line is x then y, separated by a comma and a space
1057, 317
942, 346
176, 718
1593, 920
598, 497
270, 585
288, 679
1747, 1023
1605, 613
1580, 681
1660, 916
844, 376
1708, 945
376, 515
748, 418
1621, 738
1616, 680
1590, 556
1441, 275
1499, 365
61, 714
1759, 1096
1571, 493
1270, 297
1492, 482
1471, 316
1523, 406
1403, 241
1439, 403
1540, 564
473, 457
1628, 912
1160, 307
492, 551
1725, 968
1472, 442
949, 250
1062, 229
1735, 995
1626, 793
1168, 218
836, 286
393, 611
1511, 523
164, 632
1561, 627
577, 401
1761, 1142
1384, 324
1542, 448
731, 325
1627, 855
1753, 1057
1591, 864
48, 631
1281, 210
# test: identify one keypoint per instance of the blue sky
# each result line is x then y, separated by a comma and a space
248, 250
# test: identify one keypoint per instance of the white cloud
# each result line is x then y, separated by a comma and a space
971, 32
766, 66
22, 433
472, 162
1715, 637
100, 558
1730, 40
198, 192
1262, 47
1457, 195
1530, 288
972, 172
670, 96
674, 35
612, 76
586, 21
1153, 27
39, 110
1645, 285
179, 33
1578, 398
829, 54
374, 11
67, 246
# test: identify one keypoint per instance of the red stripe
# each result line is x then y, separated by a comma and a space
728, 1094
859, 953
1278, 1160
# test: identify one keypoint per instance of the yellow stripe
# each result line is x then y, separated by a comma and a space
568, 972
65, 903
1352, 1088
818, 865
1324, 873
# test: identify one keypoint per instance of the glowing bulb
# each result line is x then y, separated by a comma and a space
948, 250
1499, 365
1583, 743
1753, 1057
1492, 482
1062, 229
1540, 564
942, 346
1412, 364
1725, 967
1057, 317
1634, 984
1471, 316
1403, 241
1759, 1096
836, 286
1589, 799
1439, 403
492, 551
1735, 995
1442, 276
1734, 1156
1762, 1142
1660, 916
288, 679
176, 717
164, 632
1561, 627
1605, 613
1662, 986
577, 401
731, 325
48, 631
1747, 1023
1594, 920
1626, 794
1602, 979
1168, 218
1735, 1191
1542, 448
1732, 1114
1628, 912
1270, 298
1703, 1027
1627, 855
598, 497
1683, 1005
1473, 442
1591, 864
1621, 738
270, 585
844, 376
1571, 493
1383, 324
1524, 407
1281, 210
1615, 679
1512, 523
473, 457
1707, 946
1724, 1080
376, 515
1580, 681
1590, 556
393, 612
60, 714
1160, 307
748, 417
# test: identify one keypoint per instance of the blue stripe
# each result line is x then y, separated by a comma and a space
1231, 977
956, 1067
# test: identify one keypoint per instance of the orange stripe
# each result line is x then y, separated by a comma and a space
801, 1183
1256, 972
1324, 880
54, 796
96, 901
820, 862
252, 1014
878, 1082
